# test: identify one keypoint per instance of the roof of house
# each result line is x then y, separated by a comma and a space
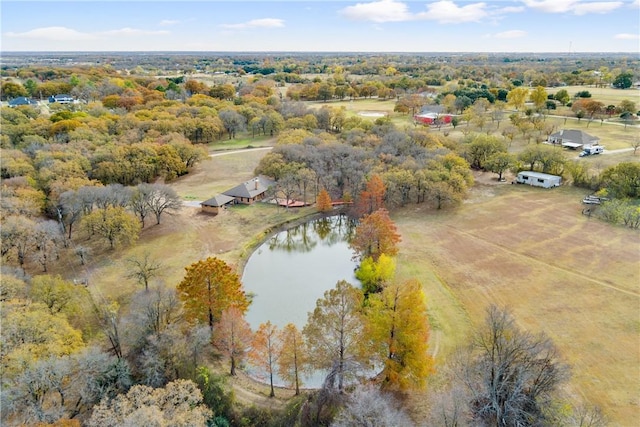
250, 189
218, 201
576, 136
22, 100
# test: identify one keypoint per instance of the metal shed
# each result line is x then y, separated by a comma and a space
538, 179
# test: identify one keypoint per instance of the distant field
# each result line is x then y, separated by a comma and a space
605, 95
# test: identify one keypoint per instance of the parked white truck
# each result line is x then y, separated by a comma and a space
591, 150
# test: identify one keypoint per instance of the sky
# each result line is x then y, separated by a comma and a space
322, 26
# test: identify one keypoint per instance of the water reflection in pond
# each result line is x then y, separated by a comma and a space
294, 268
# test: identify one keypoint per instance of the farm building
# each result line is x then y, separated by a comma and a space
432, 114
538, 179
573, 139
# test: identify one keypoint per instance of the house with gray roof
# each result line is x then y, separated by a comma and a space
245, 193
573, 139
250, 191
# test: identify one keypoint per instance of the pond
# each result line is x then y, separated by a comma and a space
289, 272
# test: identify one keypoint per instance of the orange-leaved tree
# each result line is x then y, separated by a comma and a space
376, 235
324, 201
398, 327
372, 197
292, 359
209, 287
265, 349
232, 336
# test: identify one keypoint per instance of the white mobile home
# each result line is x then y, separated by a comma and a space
538, 179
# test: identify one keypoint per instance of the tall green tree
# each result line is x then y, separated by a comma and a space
209, 287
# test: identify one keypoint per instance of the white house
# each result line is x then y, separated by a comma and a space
538, 179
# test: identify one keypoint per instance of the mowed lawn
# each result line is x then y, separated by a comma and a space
559, 272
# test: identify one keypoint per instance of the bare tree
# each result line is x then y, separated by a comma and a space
511, 374
367, 406
163, 198
143, 269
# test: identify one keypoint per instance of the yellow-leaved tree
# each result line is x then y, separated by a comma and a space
398, 327
324, 201
293, 358
209, 287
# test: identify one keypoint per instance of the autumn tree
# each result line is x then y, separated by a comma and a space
208, 288
232, 336
324, 201
265, 349
334, 332
398, 327
372, 197
31, 332
292, 359
517, 97
375, 235
539, 97
374, 275
114, 224
16, 233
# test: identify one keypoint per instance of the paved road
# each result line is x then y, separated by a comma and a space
244, 150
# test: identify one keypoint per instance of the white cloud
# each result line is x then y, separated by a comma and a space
512, 34
378, 11
256, 23
52, 33
126, 32
68, 34
443, 11
513, 9
576, 7
168, 22
627, 36
447, 12
597, 7
551, 6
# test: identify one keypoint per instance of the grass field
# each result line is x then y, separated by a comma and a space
606, 95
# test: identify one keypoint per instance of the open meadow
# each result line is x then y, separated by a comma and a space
577, 279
